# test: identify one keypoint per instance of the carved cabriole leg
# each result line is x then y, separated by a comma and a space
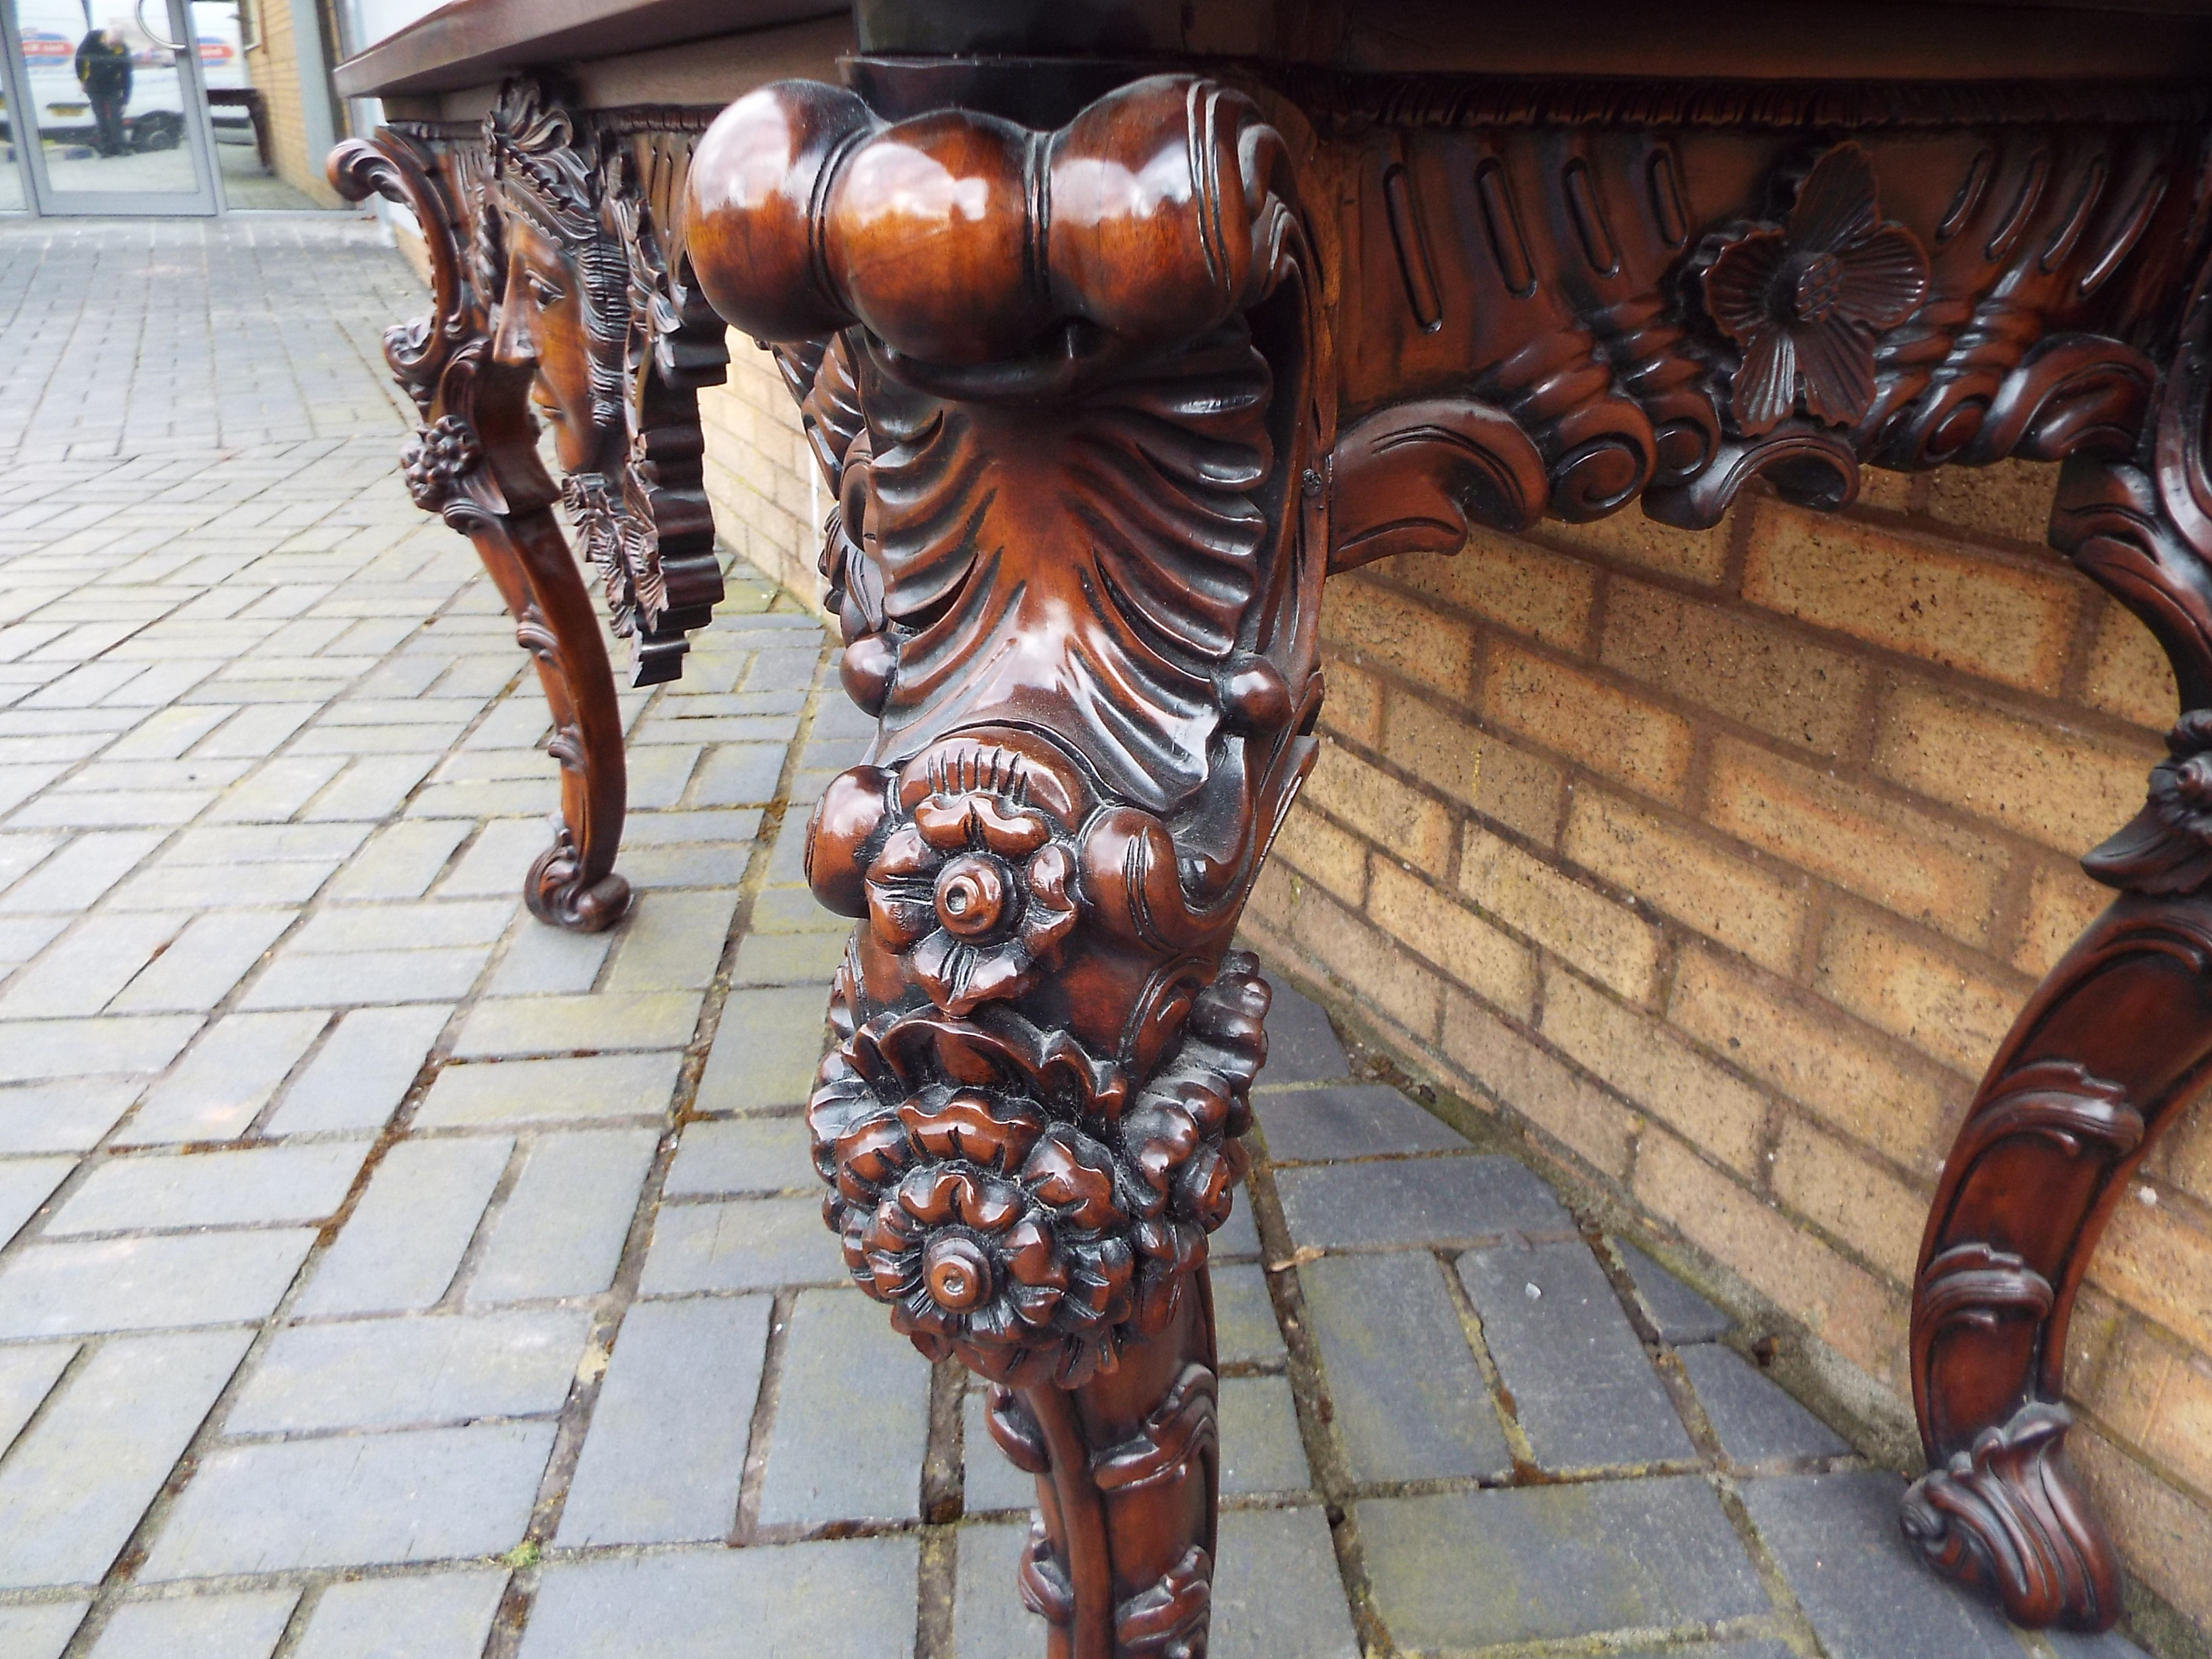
1070, 424
2115, 1041
473, 460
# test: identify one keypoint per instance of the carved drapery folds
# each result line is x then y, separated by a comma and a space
1062, 386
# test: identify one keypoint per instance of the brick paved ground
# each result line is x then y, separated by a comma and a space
387, 1274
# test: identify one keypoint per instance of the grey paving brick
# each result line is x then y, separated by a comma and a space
788, 959
69, 1288
401, 860
1753, 1418
232, 1188
561, 1230
1302, 1046
232, 1073
241, 1627
559, 1024
1276, 1592
258, 843
854, 1598
405, 926
1239, 1236
74, 878
988, 1618
37, 1049
26, 1376
1678, 1313
72, 1491
497, 859
795, 910
673, 941
684, 864
112, 809
21, 852
276, 790
552, 1090
1353, 1120
696, 825
742, 1154
403, 1243
1244, 1327
358, 1076
749, 1245
1428, 1200
440, 1615
659, 774
296, 980
812, 1477
989, 1482
42, 1630
90, 964
1409, 1399
436, 1495
539, 961
738, 774
256, 731
1867, 1593
1583, 1388
23, 938
1261, 1448
393, 1373
696, 1363
766, 1050
24, 1183
200, 968
1567, 1560
1715, 1650
210, 886
2108, 1645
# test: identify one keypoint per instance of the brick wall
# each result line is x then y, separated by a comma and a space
760, 477
274, 68
1721, 863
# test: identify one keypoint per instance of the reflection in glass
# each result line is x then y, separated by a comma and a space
108, 98
11, 170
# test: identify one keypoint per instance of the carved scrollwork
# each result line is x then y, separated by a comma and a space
1169, 1618
2008, 1515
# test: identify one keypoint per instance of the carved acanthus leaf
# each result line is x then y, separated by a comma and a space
2009, 1516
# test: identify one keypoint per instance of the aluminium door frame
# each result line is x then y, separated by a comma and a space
46, 202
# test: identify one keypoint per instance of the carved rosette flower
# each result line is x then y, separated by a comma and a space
435, 458
1001, 1189
1805, 299
2167, 847
978, 893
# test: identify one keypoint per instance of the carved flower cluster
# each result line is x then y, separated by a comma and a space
1806, 299
997, 1187
434, 458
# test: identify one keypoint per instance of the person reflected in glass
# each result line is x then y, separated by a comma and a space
103, 69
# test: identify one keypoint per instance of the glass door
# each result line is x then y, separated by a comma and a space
108, 107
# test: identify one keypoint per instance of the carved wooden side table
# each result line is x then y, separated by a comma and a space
1116, 327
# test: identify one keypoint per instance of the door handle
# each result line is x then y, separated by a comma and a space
148, 28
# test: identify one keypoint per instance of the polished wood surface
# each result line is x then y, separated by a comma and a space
1107, 368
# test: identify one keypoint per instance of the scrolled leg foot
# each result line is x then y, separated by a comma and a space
2008, 1516
556, 894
